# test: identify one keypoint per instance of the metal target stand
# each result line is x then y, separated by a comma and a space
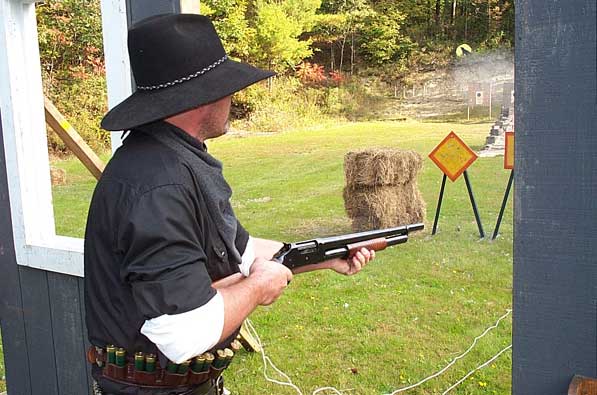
453, 157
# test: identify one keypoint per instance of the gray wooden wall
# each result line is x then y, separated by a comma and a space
555, 227
141, 9
42, 319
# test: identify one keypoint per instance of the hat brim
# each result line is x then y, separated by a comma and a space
145, 106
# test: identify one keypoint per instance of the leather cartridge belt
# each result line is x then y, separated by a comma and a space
145, 371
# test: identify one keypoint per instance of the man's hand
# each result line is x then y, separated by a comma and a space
352, 265
271, 279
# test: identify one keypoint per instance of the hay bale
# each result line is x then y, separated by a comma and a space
57, 176
381, 167
384, 207
381, 188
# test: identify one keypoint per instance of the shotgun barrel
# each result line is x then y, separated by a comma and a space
313, 251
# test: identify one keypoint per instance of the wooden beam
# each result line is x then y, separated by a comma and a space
247, 340
583, 386
73, 140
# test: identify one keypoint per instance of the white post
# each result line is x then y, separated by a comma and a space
490, 99
190, 7
26, 146
23, 120
118, 70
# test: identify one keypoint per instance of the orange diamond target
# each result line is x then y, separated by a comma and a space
509, 152
453, 156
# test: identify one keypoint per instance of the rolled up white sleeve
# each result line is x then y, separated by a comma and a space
183, 336
247, 258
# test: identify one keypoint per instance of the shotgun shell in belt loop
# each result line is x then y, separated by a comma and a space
209, 360
229, 355
111, 351
235, 346
171, 367
198, 365
120, 357
184, 367
139, 361
150, 363
220, 359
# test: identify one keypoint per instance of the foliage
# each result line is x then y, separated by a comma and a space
265, 32
282, 105
290, 103
388, 32
232, 24
279, 25
314, 75
311, 73
71, 52
82, 100
70, 36
381, 40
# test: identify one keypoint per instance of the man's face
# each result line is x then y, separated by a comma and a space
216, 121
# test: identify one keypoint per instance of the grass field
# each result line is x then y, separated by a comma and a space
408, 313
2, 378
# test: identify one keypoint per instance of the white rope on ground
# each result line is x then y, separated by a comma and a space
288, 382
455, 359
327, 389
477, 368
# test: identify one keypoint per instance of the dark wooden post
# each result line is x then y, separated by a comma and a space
555, 226
12, 318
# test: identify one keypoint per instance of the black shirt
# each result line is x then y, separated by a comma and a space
150, 246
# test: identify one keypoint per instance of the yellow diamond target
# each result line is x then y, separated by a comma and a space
452, 156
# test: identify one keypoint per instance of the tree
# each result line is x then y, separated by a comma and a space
279, 26
381, 38
70, 37
230, 18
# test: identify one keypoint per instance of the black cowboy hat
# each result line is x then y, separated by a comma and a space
179, 63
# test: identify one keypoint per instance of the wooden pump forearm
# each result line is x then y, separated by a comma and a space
375, 245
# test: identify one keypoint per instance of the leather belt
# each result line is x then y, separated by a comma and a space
159, 378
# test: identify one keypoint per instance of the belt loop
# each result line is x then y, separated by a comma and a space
220, 385
99, 354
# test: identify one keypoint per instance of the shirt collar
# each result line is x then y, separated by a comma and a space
185, 136
162, 125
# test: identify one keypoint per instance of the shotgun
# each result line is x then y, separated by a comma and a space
308, 252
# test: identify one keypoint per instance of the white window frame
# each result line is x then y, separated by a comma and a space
23, 126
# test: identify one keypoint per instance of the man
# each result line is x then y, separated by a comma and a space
169, 270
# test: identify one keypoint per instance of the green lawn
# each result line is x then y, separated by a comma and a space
410, 312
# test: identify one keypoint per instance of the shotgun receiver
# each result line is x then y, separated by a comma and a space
308, 252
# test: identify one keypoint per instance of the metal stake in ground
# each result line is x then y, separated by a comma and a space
475, 210
439, 205
504, 201
508, 164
